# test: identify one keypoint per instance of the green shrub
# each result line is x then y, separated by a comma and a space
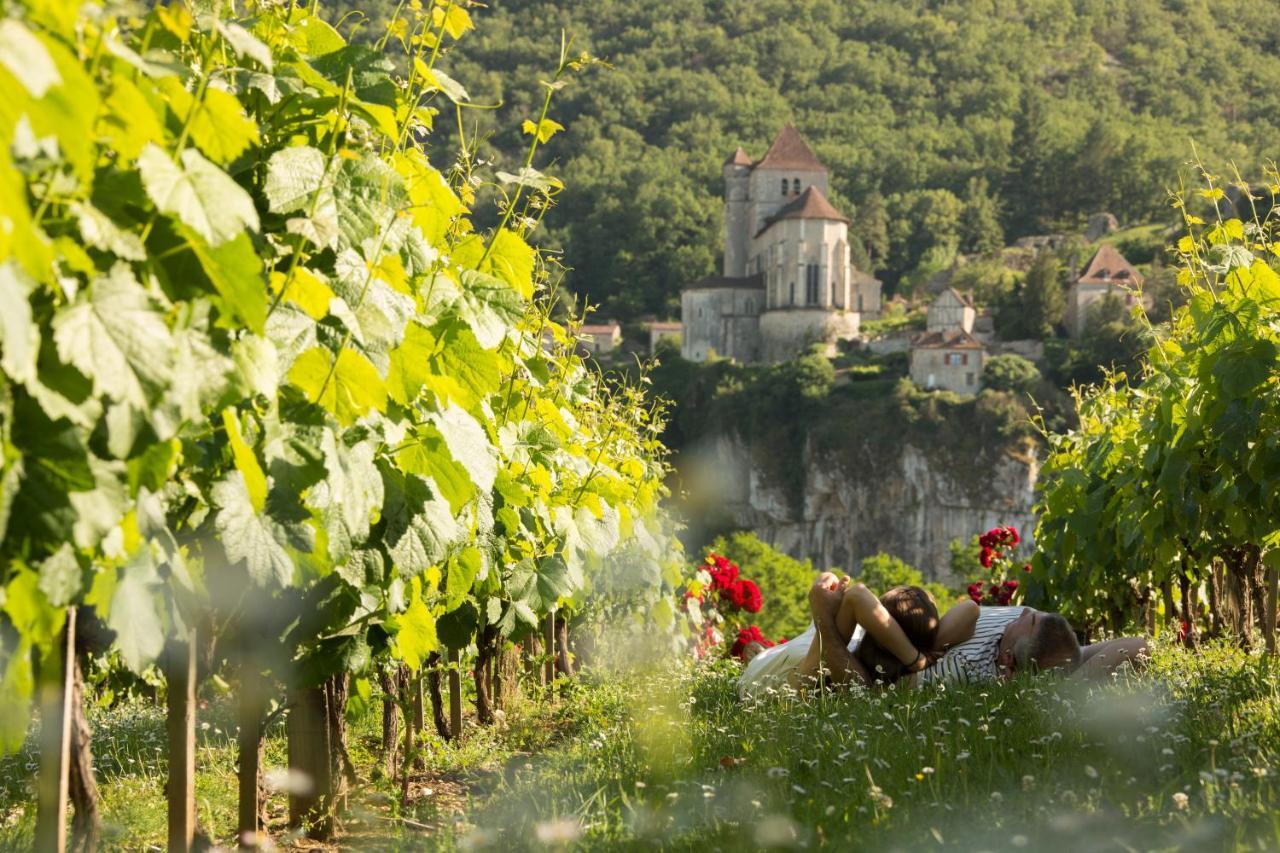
1010, 372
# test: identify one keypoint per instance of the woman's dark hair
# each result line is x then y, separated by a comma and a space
914, 611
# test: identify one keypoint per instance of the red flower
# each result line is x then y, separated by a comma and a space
986, 557
1027, 567
1012, 533
747, 636
1010, 584
752, 599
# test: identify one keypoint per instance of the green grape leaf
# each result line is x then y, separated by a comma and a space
348, 387
34, 618
489, 307
252, 538
27, 59
198, 193
139, 633
99, 231
463, 371
129, 122
235, 269
463, 569
217, 125
349, 496
19, 336
416, 637
201, 374
420, 526
511, 259
255, 482
61, 577
468, 445
457, 627
427, 456
245, 43
294, 176
115, 334
410, 364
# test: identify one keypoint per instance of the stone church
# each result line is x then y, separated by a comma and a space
787, 282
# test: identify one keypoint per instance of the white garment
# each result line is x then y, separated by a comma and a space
772, 667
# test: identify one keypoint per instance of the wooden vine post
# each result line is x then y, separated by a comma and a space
1273, 599
250, 745
455, 695
56, 695
549, 648
180, 673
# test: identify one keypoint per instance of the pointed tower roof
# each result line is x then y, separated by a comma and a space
1108, 266
738, 158
810, 204
790, 151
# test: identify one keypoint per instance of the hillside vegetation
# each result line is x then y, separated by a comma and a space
945, 124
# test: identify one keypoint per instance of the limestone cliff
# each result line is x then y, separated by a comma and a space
843, 505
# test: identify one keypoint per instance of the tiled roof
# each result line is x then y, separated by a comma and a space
790, 151
665, 326
810, 204
946, 339
738, 158
1108, 266
713, 282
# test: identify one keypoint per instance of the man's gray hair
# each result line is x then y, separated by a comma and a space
1053, 643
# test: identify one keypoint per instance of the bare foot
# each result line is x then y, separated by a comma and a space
825, 596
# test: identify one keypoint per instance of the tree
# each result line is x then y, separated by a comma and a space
1010, 372
1043, 300
871, 227
980, 230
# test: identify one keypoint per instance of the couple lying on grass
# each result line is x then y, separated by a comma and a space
858, 638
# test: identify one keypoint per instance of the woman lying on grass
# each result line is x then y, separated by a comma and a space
857, 637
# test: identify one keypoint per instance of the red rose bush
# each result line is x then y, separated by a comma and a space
999, 548
718, 594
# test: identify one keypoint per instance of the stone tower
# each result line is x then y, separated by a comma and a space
737, 236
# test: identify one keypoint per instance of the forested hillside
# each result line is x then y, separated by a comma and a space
943, 123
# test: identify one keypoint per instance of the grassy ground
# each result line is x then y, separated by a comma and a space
1182, 757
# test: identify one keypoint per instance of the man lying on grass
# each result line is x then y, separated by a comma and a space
858, 638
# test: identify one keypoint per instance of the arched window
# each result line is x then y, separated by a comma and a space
784, 186
793, 293
795, 186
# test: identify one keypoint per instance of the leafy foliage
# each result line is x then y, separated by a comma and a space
261, 371
1172, 470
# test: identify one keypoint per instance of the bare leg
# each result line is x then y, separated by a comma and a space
1098, 659
820, 607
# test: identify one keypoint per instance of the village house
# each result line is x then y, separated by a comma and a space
599, 338
946, 355
1107, 273
787, 281
951, 310
949, 360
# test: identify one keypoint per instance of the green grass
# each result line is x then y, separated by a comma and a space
671, 758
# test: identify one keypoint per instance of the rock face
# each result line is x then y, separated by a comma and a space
912, 506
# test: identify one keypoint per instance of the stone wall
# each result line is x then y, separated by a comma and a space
787, 332
911, 506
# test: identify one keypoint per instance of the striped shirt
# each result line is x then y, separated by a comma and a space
975, 658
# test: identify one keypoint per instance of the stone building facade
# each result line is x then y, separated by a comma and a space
787, 281
1107, 273
950, 360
